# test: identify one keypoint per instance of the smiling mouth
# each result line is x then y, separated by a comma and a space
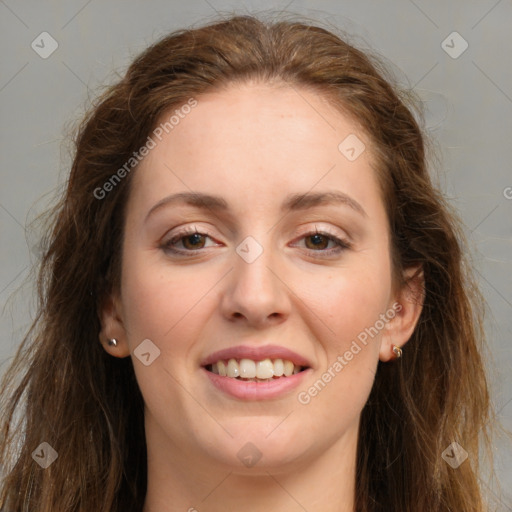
255, 371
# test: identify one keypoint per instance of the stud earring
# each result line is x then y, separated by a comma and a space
398, 351
112, 342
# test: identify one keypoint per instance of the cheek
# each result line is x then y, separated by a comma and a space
157, 303
352, 302
164, 308
352, 299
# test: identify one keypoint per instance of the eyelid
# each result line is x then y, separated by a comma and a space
187, 231
326, 230
342, 242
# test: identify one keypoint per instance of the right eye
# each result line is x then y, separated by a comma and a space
190, 238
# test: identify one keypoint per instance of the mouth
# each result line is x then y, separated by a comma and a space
251, 370
248, 372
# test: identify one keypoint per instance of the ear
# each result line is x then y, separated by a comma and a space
407, 304
112, 326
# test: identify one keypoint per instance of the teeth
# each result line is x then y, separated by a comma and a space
264, 369
233, 368
256, 371
288, 368
278, 367
247, 369
223, 371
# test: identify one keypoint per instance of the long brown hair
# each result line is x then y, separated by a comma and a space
70, 393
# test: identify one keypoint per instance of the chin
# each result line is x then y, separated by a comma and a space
259, 446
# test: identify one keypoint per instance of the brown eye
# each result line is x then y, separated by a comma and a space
192, 241
319, 241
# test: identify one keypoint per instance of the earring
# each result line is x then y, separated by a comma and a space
397, 351
112, 342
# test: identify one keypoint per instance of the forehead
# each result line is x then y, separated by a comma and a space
259, 140
263, 119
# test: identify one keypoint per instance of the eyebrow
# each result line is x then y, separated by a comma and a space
292, 202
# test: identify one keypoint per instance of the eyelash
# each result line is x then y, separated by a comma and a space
341, 245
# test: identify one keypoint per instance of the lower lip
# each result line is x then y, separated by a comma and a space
247, 390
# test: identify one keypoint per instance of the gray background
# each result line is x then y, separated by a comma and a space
468, 102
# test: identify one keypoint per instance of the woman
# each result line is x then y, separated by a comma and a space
252, 297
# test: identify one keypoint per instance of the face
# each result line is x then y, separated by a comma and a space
255, 269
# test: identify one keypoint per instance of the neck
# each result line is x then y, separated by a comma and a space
181, 479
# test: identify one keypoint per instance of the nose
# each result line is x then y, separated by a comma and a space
256, 292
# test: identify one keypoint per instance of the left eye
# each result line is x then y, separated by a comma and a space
320, 239
193, 240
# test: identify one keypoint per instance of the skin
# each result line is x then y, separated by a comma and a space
253, 144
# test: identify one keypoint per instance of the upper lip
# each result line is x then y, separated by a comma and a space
256, 354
